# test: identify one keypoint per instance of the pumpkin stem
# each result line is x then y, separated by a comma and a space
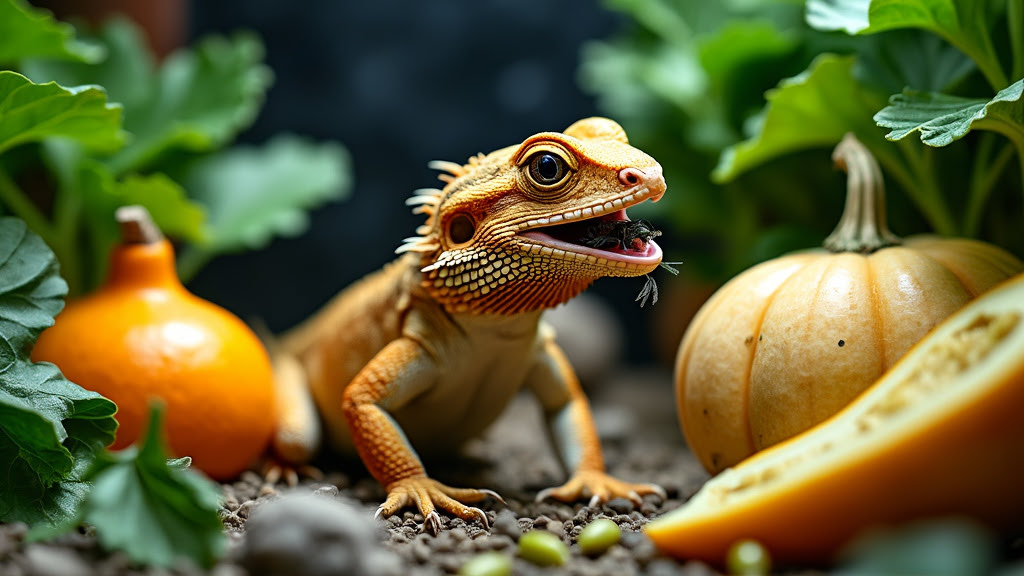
137, 226
862, 227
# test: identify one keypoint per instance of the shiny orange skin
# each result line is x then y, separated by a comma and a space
143, 335
961, 456
789, 342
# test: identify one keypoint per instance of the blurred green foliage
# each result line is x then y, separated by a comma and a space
742, 101
90, 121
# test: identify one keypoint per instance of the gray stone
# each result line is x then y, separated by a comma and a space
313, 535
620, 505
55, 561
506, 524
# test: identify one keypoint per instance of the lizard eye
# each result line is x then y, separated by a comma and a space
547, 170
461, 229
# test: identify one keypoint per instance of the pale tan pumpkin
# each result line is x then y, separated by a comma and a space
791, 341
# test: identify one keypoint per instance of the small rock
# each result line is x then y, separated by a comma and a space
620, 505
329, 490
499, 542
506, 524
312, 535
55, 561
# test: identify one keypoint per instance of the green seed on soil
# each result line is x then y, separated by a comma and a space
748, 558
543, 548
487, 564
598, 536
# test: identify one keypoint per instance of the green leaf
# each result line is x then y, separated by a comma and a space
253, 194
50, 428
31, 292
153, 510
963, 23
911, 59
174, 213
27, 32
942, 119
198, 100
813, 109
31, 112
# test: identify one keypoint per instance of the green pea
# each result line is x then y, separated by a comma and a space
487, 564
543, 548
748, 558
598, 536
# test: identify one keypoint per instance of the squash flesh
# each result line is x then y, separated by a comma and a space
941, 433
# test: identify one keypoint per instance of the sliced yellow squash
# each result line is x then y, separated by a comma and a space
941, 433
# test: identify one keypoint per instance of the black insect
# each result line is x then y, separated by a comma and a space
625, 234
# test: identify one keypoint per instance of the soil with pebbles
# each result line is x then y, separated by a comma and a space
326, 526
635, 416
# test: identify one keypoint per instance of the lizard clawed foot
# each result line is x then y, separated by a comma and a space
274, 471
600, 487
429, 495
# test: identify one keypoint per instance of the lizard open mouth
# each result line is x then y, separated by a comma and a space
604, 232
612, 236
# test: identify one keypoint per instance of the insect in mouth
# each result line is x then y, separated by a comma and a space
628, 235
625, 234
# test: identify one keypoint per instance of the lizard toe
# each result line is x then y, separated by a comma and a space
430, 496
599, 487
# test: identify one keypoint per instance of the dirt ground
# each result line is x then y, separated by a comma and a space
275, 530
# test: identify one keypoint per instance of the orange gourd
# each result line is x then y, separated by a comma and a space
142, 335
791, 341
939, 435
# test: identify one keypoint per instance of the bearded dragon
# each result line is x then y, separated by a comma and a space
428, 351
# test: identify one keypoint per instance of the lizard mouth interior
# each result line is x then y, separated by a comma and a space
572, 237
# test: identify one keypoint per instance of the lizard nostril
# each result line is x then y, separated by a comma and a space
631, 176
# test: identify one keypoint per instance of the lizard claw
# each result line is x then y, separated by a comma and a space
431, 522
430, 495
600, 487
275, 471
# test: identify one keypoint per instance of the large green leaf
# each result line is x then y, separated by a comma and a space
153, 510
813, 109
941, 119
963, 23
27, 32
198, 100
254, 194
50, 429
30, 112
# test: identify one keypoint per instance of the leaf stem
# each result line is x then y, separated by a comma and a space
924, 189
1015, 15
190, 262
20, 205
983, 180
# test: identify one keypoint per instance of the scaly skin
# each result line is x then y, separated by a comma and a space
430, 350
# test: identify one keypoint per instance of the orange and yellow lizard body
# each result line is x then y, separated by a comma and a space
430, 350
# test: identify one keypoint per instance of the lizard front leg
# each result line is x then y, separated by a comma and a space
396, 375
571, 427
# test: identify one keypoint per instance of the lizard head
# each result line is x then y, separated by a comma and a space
507, 234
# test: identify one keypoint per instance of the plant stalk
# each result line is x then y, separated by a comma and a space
190, 262
982, 182
20, 205
925, 191
1015, 15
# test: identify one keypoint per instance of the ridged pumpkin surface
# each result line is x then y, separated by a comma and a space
940, 434
789, 342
